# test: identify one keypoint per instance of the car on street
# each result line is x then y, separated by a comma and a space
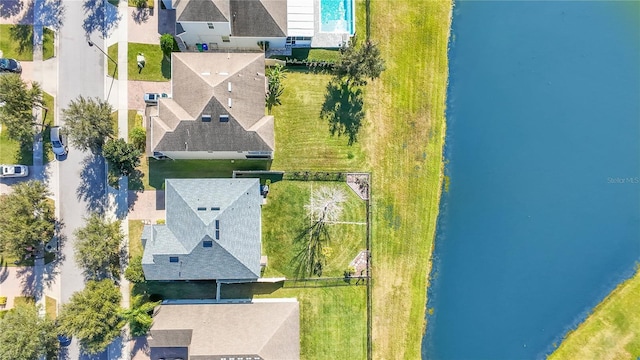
11, 171
10, 66
64, 340
152, 98
58, 141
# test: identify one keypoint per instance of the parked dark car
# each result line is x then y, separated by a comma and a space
10, 65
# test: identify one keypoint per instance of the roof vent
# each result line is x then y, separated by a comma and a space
224, 118
206, 118
202, 208
229, 86
206, 73
223, 73
215, 208
229, 102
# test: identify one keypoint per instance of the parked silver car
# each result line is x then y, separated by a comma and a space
58, 141
7, 171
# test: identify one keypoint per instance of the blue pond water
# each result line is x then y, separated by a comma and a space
542, 217
336, 16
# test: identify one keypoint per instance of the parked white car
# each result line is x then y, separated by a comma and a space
58, 141
152, 98
8, 171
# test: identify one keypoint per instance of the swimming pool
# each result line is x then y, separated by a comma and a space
337, 16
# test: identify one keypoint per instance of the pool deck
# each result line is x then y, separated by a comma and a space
323, 39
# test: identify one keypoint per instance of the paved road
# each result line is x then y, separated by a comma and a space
81, 185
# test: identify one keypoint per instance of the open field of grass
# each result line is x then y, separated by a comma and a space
284, 216
16, 42
404, 144
303, 140
612, 331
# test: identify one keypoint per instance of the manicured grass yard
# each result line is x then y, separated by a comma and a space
404, 143
303, 141
284, 217
10, 45
157, 68
9, 149
612, 331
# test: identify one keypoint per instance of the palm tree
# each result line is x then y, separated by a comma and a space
138, 315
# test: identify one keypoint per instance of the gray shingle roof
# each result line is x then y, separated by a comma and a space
201, 87
268, 329
259, 18
225, 212
202, 10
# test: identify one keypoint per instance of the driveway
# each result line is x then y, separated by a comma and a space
10, 285
136, 90
147, 205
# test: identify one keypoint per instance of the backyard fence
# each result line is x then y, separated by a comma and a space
325, 282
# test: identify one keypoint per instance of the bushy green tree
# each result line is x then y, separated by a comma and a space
166, 44
16, 113
24, 335
134, 272
275, 74
138, 315
93, 316
27, 218
89, 123
123, 158
98, 247
359, 63
138, 137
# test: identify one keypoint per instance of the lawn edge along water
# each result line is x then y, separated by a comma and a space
406, 128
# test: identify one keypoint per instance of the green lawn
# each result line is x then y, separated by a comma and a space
612, 331
16, 41
10, 151
156, 171
284, 216
157, 68
133, 3
303, 140
133, 121
51, 307
111, 66
404, 143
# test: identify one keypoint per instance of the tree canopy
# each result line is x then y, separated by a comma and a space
123, 158
26, 218
134, 272
138, 315
359, 63
24, 335
16, 115
93, 316
166, 43
88, 122
98, 247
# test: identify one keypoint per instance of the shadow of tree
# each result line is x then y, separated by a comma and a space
22, 35
165, 67
309, 259
9, 8
92, 188
49, 13
100, 16
34, 279
343, 109
140, 15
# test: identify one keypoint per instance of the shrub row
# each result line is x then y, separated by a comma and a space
315, 176
311, 64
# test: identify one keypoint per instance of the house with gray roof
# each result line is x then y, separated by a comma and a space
260, 330
212, 231
241, 24
217, 109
